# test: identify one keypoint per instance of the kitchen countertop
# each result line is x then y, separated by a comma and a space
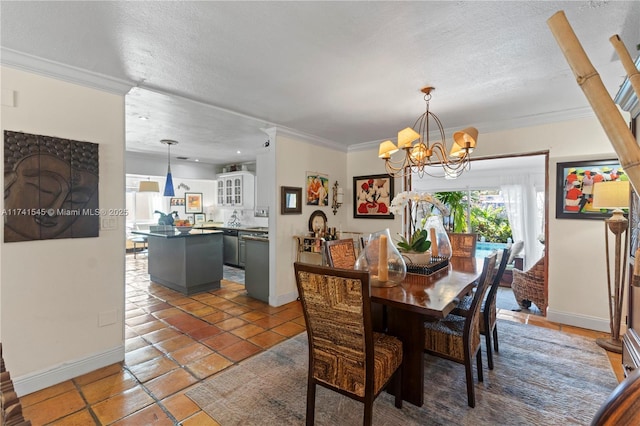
244, 228
257, 238
176, 234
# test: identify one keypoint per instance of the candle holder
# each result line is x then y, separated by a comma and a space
383, 260
440, 244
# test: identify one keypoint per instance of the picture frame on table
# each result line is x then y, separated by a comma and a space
290, 200
372, 196
574, 187
193, 202
199, 217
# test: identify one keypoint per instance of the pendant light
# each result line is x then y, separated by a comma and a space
168, 186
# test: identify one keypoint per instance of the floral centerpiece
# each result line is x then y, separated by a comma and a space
419, 206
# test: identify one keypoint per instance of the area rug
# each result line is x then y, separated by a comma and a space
541, 377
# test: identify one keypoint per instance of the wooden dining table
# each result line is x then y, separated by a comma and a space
416, 299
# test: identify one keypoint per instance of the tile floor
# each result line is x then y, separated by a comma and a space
172, 343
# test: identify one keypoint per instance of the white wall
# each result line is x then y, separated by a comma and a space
295, 157
577, 272
54, 291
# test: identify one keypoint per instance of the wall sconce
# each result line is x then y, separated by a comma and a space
337, 197
183, 185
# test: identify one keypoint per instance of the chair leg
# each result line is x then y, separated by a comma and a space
495, 337
487, 339
479, 362
398, 387
311, 401
471, 396
368, 411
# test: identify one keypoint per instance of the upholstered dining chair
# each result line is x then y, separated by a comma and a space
488, 311
463, 245
458, 340
341, 253
345, 354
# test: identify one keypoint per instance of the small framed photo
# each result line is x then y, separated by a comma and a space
576, 183
290, 200
193, 202
199, 217
372, 197
176, 202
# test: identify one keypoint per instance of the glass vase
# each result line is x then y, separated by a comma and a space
441, 248
382, 259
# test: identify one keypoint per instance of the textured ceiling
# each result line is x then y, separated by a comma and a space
212, 74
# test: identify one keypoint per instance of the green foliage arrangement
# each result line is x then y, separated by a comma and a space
418, 242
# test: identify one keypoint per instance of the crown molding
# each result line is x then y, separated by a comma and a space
626, 98
24, 62
316, 140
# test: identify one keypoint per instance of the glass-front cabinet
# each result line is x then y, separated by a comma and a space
236, 189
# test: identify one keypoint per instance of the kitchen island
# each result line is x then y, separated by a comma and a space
186, 262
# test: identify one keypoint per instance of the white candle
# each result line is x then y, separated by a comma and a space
434, 242
383, 266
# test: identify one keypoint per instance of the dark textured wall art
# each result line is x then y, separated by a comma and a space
50, 188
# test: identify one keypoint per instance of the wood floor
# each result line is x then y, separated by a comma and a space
173, 342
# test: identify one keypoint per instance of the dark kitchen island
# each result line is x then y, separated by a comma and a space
189, 263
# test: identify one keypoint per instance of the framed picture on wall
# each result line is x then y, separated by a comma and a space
317, 186
193, 202
372, 196
290, 200
199, 217
176, 202
575, 182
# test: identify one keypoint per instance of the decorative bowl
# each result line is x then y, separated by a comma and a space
184, 229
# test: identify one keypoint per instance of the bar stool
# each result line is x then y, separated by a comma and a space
138, 240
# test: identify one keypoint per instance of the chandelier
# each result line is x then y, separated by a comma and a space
426, 157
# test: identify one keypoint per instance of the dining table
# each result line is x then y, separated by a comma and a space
409, 304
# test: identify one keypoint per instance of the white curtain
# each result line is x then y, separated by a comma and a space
519, 195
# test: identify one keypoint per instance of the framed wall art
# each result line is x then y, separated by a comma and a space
317, 188
290, 200
176, 202
50, 188
372, 196
574, 187
199, 217
193, 202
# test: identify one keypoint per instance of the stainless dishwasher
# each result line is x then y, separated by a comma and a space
256, 275
230, 247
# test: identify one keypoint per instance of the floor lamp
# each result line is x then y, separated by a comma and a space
614, 195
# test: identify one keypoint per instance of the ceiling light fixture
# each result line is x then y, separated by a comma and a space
168, 186
148, 186
425, 157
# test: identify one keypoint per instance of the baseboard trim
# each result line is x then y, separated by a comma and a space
33, 382
576, 320
283, 299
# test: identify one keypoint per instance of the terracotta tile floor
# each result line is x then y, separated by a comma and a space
172, 343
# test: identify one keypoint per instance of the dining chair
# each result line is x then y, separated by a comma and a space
463, 245
622, 406
488, 311
458, 340
341, 253
345, 354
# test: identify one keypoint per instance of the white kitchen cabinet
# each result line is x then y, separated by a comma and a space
236, 189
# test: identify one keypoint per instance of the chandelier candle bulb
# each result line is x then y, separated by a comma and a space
434, 242
383, 271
